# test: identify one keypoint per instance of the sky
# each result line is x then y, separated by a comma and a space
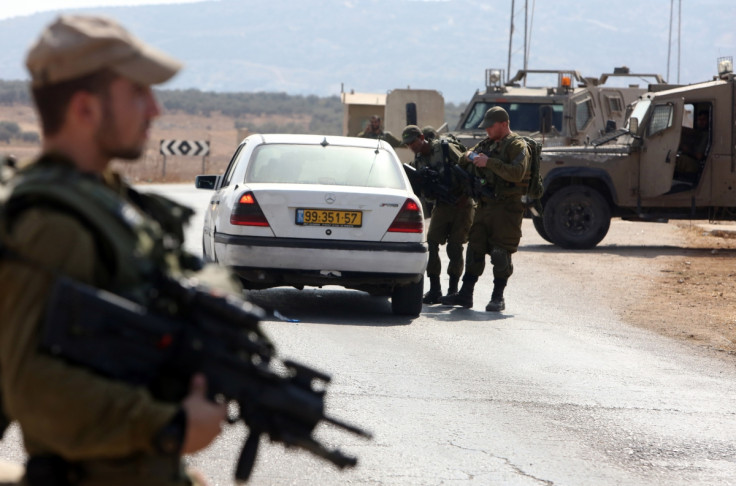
14, 8
592, 36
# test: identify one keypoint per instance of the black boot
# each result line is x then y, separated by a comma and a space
435, 291
497, 303
464, 298
454, 279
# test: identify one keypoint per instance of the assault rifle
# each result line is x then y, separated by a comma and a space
473, 186
215, 335
428, 182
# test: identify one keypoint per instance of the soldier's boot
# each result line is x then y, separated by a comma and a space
497, 304
435, 291
454, 280
464, 297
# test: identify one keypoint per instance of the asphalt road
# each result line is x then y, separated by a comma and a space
554, 391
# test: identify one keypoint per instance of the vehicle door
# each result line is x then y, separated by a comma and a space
660, 139
213, 210
582, 119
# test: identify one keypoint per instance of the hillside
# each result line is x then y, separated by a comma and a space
221, 118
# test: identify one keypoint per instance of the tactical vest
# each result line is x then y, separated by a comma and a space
497, 150
134, 241
439, 160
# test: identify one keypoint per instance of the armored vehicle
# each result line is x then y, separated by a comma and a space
572, 112
673, 159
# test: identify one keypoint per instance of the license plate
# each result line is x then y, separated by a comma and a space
328, 217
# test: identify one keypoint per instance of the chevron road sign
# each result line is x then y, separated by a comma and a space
195, 148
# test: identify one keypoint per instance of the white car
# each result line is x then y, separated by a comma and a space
314, 210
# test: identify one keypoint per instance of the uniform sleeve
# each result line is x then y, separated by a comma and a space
519, 162
393, 141
63, 409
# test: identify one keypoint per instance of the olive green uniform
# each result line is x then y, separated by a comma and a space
105, 428
496, 228
387, 136
450, 223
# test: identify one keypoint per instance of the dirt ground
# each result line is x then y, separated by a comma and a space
686, 292
692, 298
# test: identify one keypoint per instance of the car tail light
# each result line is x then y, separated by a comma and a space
409, 219
247, 212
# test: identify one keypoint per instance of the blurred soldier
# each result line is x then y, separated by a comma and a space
91, 82
502, 159
374, 130
450, 221
429, 133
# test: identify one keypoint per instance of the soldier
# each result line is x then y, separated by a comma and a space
374, 130
450, 221
502, 159
91, 83
429, 133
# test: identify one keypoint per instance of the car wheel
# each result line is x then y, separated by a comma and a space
406, 300
539, 226
577, 217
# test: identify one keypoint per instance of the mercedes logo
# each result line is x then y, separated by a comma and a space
330, 198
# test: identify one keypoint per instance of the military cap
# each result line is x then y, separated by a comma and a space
410, 134
429, 132
493, 115
74, 46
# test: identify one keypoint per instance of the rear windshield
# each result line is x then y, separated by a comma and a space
331, 164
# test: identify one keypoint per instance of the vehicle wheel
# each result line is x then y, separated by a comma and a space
406, 300
576, 217
539, 226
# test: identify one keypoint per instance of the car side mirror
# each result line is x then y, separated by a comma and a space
205, 181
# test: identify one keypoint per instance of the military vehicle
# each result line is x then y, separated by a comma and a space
397, 109
572, 112
638, 173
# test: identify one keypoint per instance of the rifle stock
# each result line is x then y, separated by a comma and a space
426, 182
217, 336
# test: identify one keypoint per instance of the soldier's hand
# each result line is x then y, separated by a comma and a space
204, 417
480, 160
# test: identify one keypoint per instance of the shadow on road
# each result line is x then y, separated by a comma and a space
639, 251
352, 307
327, 306
458, 314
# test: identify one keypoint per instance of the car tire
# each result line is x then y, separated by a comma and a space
406, 300
577, 217
538, 222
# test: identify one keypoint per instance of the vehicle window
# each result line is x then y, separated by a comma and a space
475, 116
661, 119
524, 117
688, 115
583, 114
615, 104
231, 167
333, 165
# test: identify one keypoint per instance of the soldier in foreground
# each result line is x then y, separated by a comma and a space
91, 83
502, 160
452, 211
